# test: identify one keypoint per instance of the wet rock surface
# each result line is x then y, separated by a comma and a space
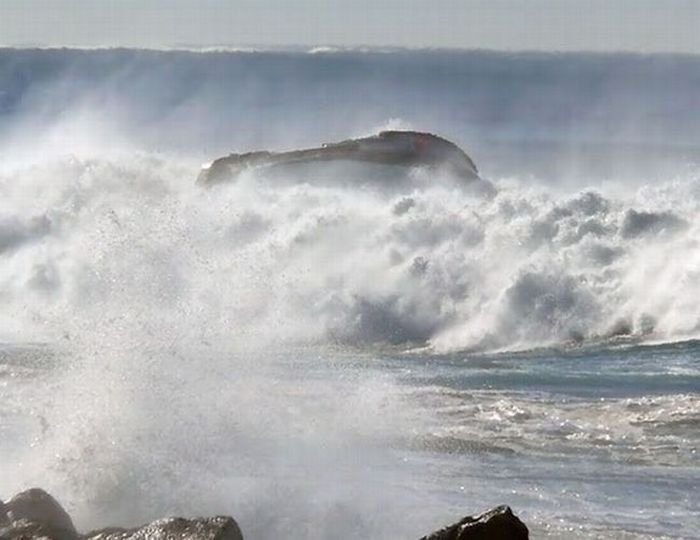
497, 524
34, 514
216, 528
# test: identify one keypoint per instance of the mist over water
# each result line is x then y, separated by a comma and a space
239, 350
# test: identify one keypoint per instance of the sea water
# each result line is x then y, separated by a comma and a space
329, 361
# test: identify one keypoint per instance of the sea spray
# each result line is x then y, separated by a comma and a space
436, 266
348, 362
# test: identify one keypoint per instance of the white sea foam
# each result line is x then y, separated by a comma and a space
163, 307
436, 265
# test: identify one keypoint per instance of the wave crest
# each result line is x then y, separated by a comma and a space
437, 266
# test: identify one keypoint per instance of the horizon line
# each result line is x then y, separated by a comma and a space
329, 49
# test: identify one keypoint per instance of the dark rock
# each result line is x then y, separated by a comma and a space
402, 148
23, 529
497, 524
216, 528
34, 513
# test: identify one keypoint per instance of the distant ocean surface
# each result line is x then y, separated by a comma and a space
324, 360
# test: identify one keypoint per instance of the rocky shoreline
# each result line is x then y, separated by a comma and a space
34, 514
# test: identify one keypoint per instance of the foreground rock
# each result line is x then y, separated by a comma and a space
216, 528
497, 524
36, 514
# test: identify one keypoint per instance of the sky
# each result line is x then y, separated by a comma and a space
645, 26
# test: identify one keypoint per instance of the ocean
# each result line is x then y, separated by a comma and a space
342, 359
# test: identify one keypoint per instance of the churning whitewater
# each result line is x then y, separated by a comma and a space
433, 266
345, 354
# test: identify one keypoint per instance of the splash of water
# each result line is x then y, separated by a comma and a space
309, 263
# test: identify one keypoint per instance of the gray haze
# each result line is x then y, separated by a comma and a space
594, 25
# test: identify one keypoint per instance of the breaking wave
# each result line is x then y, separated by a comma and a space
172, 373
100, 217
133, 237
